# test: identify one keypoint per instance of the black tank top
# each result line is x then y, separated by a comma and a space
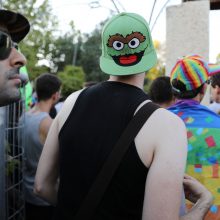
93, 127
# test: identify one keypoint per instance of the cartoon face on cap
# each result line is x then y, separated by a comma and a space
127, 46
128, 50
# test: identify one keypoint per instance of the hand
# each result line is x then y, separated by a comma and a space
195, 191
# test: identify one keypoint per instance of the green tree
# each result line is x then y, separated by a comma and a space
38, 45
72, 79
159, 68
83, 50
67, 49
90, 53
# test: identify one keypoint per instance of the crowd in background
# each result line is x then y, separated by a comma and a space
67, 142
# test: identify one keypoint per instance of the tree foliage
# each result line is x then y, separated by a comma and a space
72, 79
67, 49
38, 45
90, 55
83, 50
159, 68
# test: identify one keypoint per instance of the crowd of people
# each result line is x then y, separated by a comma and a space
174, 157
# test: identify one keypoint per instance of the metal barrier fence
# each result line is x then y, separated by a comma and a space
12, 206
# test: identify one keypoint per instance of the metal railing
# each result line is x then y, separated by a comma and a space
12, 205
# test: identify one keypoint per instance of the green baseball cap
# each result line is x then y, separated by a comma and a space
127, 46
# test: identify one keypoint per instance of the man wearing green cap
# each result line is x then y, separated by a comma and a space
13, 28
189, 79
148, 182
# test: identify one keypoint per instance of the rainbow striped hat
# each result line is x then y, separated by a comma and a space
193, 71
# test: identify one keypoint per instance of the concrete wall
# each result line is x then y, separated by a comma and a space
187, 32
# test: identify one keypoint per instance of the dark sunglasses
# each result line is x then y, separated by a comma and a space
6, 44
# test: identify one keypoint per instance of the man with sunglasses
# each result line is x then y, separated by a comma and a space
13, 28
189, 79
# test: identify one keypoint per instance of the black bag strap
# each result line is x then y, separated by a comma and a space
103, 179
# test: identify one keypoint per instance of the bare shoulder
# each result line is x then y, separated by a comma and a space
67, 107
168, 119
163, 121
166, 127
163, 117
44, 128
162, 131
45, 123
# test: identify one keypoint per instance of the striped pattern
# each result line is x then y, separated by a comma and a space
193, 71
213, 69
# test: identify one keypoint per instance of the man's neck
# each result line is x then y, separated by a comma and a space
43, 106
134, 80
198, 98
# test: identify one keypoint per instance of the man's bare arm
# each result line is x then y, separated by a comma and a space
46, 180
44, 128
167, 134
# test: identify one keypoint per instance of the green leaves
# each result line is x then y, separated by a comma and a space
72, 79
36, 45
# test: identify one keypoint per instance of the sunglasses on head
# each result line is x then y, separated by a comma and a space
6, 44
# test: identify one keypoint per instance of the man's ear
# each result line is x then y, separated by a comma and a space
56, 96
